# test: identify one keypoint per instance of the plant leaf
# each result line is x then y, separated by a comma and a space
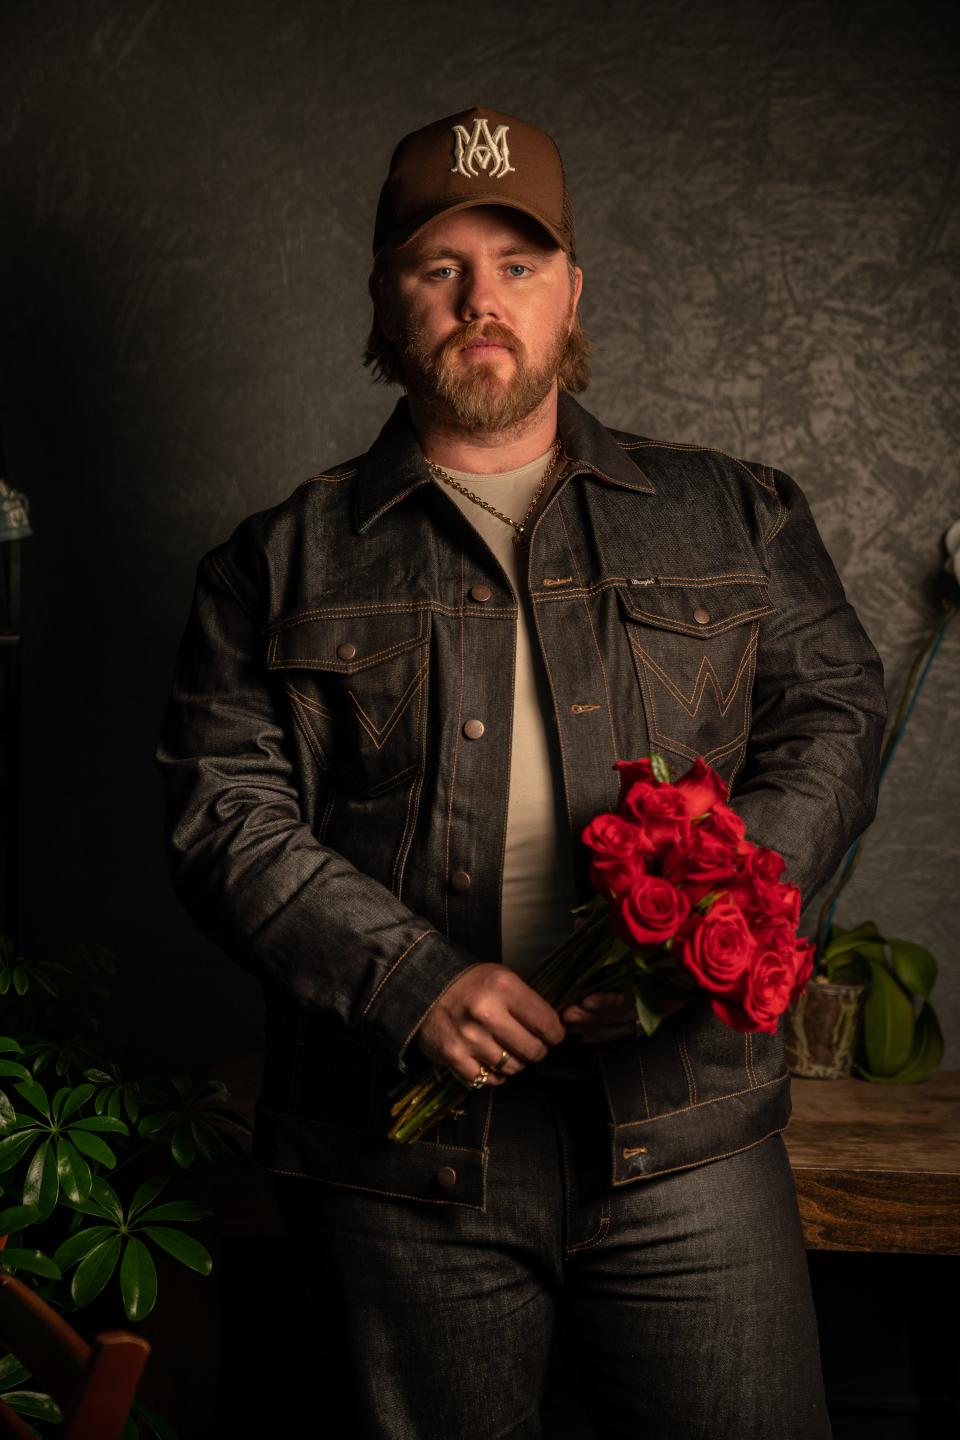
94, 1147
182, 1247
78, 1096
12, 1067
80, 1243
914, 966
14, 1147
25, 1258
35, 1094
103, 1192
146, 1191
7, 1112
183, 1147
41, 1185
102, 1123
12, 1372
17, 1217
176, 1210
73, 1171
94, 1271
35, 1404
925, 1054
887, 1022
138, 1280
842, 941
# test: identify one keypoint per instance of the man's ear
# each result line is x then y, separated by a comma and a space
577, 291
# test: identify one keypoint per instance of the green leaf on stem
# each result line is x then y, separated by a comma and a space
16, 1217
925, 1053
14, 1147
138, 1280
660, 768
887, 1022
914, 966
35, 1404
80, 1243
94, 1271
35, 1094
41, 1185
27, 1258
73, 1171
93, 1147
182, 1210
182, 1247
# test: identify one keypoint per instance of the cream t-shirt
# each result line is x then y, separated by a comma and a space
538, 884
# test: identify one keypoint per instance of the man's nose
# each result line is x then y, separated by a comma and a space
478, 297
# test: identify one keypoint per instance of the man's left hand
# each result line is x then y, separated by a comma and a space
602, 1015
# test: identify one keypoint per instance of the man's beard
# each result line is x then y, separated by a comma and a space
479, 398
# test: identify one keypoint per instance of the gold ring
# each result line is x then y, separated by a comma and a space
502, 1061
480, 1078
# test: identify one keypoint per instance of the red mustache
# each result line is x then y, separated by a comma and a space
476, 330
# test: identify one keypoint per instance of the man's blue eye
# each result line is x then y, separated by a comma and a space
518, 266
443, 267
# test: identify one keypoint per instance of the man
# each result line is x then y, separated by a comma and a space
389, 725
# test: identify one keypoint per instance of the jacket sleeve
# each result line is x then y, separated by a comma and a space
247, 867
809, 782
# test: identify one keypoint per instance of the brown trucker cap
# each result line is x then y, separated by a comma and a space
477, 157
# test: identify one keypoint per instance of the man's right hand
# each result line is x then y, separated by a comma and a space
488, 1010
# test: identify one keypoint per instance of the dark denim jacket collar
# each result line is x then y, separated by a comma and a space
394, 467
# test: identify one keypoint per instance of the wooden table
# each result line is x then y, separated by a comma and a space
877, 1167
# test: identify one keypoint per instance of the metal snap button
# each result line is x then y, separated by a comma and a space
447, 1176
701, 616
346, 651
460, 881
473, 729
482, 593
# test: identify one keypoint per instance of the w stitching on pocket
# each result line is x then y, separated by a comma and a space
692, 703
379, 734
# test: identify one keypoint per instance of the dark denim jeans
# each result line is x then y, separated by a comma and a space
686, 1298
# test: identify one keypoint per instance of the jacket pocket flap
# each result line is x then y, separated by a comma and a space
345, 641
694, 606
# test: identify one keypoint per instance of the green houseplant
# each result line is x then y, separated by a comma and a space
867, 1006
87, 1145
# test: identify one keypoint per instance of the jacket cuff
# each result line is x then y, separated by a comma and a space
425, 970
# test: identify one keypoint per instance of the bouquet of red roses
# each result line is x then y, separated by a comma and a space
693, 902
684, 902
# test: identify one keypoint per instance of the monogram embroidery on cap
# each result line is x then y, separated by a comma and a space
481, 148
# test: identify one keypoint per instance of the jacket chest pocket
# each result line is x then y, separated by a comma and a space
694, 647
357, 684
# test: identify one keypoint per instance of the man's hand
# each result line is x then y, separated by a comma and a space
488, 1010
602, 1015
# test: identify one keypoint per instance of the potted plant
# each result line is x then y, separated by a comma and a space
866, 1009
87, 1146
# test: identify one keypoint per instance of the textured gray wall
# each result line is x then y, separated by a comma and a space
767, 207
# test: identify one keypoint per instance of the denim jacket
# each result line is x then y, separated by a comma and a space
321, 791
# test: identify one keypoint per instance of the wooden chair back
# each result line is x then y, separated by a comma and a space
94, 1385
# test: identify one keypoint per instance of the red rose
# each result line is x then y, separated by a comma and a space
765, 864
701, 788
659, 810
617, 845
773, 977
700, 864
630, 771
726, 824
803, 956
649, 912
718, 951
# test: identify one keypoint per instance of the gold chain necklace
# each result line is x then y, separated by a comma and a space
519, 525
